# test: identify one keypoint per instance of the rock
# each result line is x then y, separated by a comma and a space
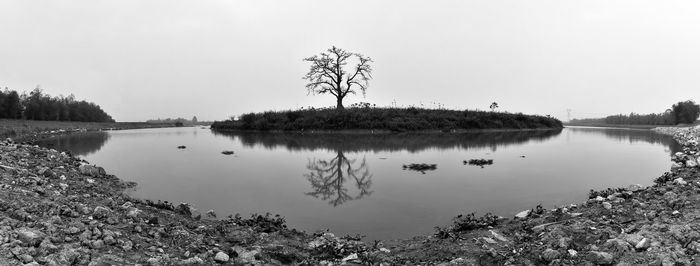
109, 240
607, 205
211, 214
192, 261
132, 212
600, 258
184, 209
498, 236
100, 212
680, 181
670, 195
67, 256
633, 239
634, 188
550, 254
599, 198
350, 257
572, 252
29, 236
128, 245
91, 170
643, 244
523, 214
618, 245
245, 255
97, 244
73, 230
691, 163
153, 261
489, 240
221, 257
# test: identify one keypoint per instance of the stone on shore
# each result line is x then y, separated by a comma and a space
221, 257
550, 254
600, 258
91, 170
30, 237
523, 214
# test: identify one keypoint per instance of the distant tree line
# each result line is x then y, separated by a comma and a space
172, 120
686, 112
40, 106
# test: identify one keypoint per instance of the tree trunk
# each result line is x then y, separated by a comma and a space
339, 106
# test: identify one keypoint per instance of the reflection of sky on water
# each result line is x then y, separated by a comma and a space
79, 143
354, 183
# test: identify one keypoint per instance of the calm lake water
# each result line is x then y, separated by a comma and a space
355, 184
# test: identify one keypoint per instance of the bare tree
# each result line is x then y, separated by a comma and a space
328, 179
327, 74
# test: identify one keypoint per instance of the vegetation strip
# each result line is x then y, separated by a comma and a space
391, 119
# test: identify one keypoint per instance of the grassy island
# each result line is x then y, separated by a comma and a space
388, 119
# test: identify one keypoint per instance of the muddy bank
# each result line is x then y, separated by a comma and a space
58, 210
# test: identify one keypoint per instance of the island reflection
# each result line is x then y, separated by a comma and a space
411, 142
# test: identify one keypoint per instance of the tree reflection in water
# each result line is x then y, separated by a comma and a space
328, 178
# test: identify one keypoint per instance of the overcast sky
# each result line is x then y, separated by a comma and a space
148, 59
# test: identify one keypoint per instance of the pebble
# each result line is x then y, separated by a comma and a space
550, 254
221, 257
680, 181
600, 257
523, 214
607, 205
643, 244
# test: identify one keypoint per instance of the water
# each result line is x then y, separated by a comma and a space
355, 184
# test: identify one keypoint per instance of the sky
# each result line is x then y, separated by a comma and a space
145, 59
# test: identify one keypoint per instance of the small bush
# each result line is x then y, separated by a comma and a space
468, 222
261, 223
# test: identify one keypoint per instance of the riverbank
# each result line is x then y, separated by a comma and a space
386, 119
603, 125
58, 210
27, 130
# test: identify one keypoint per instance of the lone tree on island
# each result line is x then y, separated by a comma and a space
493, 106
327, 74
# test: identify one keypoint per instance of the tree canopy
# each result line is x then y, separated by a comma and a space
327, 74
685, 112
40, 106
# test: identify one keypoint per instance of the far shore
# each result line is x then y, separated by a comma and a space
32, 129
632, 126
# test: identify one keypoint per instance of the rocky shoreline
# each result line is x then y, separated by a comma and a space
56, 209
